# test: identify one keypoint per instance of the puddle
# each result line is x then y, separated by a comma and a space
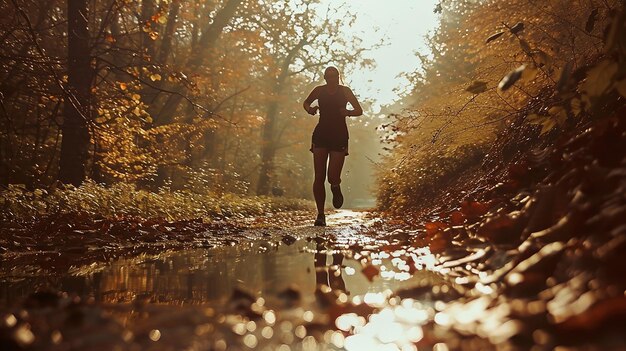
270, 268
210, 275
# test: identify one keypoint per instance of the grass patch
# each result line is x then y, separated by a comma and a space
122, 199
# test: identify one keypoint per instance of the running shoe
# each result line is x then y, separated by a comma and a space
337, 196
320, 221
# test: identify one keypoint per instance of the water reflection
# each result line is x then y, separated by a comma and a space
264, 268
308, 290
329, 276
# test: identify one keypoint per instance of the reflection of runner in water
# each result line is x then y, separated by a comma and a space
330, 137
323, 274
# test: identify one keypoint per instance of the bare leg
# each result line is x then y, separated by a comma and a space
334, 167
320, 157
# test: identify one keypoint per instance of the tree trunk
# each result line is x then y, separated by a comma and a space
148, 10
168, 36
207, 40
269, 140
77, 108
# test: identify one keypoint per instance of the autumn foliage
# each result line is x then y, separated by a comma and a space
169, 91
501, 77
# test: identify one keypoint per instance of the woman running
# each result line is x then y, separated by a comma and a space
330, 137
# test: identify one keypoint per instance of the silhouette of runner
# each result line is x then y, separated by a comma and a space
330, 138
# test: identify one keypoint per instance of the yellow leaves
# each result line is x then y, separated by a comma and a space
161, 19
155, 77
599, 78
136, 97
123, 86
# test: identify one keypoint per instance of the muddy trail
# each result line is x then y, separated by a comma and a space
300, 287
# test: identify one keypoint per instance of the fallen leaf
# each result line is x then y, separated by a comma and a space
370, 271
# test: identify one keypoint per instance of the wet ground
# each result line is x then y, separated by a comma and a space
362, 283
296, 288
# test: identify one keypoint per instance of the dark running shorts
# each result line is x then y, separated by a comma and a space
331, 145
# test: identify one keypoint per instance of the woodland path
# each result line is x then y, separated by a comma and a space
264, 287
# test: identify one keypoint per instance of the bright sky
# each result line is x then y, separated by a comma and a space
403, 24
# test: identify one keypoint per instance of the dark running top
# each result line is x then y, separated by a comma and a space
332, 124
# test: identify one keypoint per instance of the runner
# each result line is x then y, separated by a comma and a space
329, 143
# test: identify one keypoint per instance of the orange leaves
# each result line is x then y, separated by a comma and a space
457, 218
502, 229
474, 209
370, 271
433, 228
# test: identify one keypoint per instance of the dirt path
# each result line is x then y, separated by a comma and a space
261, 288
361, 283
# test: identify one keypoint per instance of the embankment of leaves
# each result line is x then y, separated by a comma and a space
537, 244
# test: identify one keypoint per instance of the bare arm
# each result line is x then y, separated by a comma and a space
309, 100
357, 109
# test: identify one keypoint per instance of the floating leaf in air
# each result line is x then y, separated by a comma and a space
591, 21
511, 78
477, 87
494, 37
518, 27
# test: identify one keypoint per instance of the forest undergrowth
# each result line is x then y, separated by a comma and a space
540, 231
98, 222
